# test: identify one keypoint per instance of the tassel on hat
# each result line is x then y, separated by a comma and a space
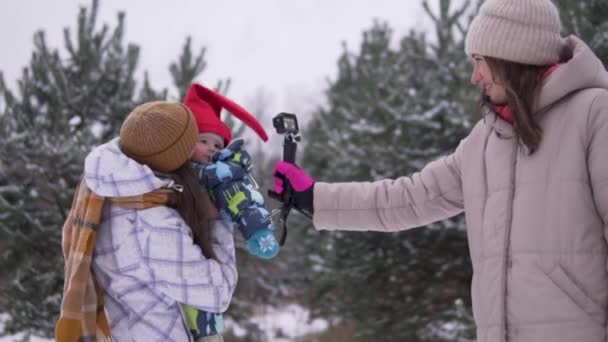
206, 105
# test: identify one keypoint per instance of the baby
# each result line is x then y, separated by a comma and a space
226, 173
223, 167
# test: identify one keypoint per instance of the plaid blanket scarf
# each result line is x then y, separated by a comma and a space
82, 312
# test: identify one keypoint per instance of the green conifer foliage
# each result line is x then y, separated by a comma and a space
391, 110
66, 102
587, 20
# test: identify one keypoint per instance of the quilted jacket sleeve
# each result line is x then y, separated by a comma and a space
234, 194
433, 194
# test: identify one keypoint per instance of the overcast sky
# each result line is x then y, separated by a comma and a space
285, 49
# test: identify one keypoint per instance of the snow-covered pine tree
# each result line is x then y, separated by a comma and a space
589, 21
66, 103
391, 111
186, 68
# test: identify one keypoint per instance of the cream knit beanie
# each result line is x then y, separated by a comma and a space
522, 31
159, 134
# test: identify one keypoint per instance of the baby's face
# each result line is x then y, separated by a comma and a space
207, 145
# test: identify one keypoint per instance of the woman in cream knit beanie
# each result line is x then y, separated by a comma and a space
512, 43
522, 31
531, 178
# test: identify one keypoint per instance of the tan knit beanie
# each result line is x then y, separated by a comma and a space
523, 31
159, 134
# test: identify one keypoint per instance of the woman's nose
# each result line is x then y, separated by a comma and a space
475, 77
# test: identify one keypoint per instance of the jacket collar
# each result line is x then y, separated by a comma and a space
109, 172
581, 70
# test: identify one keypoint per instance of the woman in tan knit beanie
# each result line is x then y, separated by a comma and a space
155, 238
531, 178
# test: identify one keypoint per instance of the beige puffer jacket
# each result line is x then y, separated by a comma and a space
537, 225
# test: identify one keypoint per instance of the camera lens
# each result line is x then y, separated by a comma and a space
290, 124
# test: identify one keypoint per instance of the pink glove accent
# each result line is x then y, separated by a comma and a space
298, 178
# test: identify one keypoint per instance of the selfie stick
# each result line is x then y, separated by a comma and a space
286, 123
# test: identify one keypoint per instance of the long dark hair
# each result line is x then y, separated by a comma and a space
522, 83
193, 204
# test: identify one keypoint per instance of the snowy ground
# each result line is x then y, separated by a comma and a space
290, 322
18, 337
282, 325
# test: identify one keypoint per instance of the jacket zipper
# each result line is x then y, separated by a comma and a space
507, 244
